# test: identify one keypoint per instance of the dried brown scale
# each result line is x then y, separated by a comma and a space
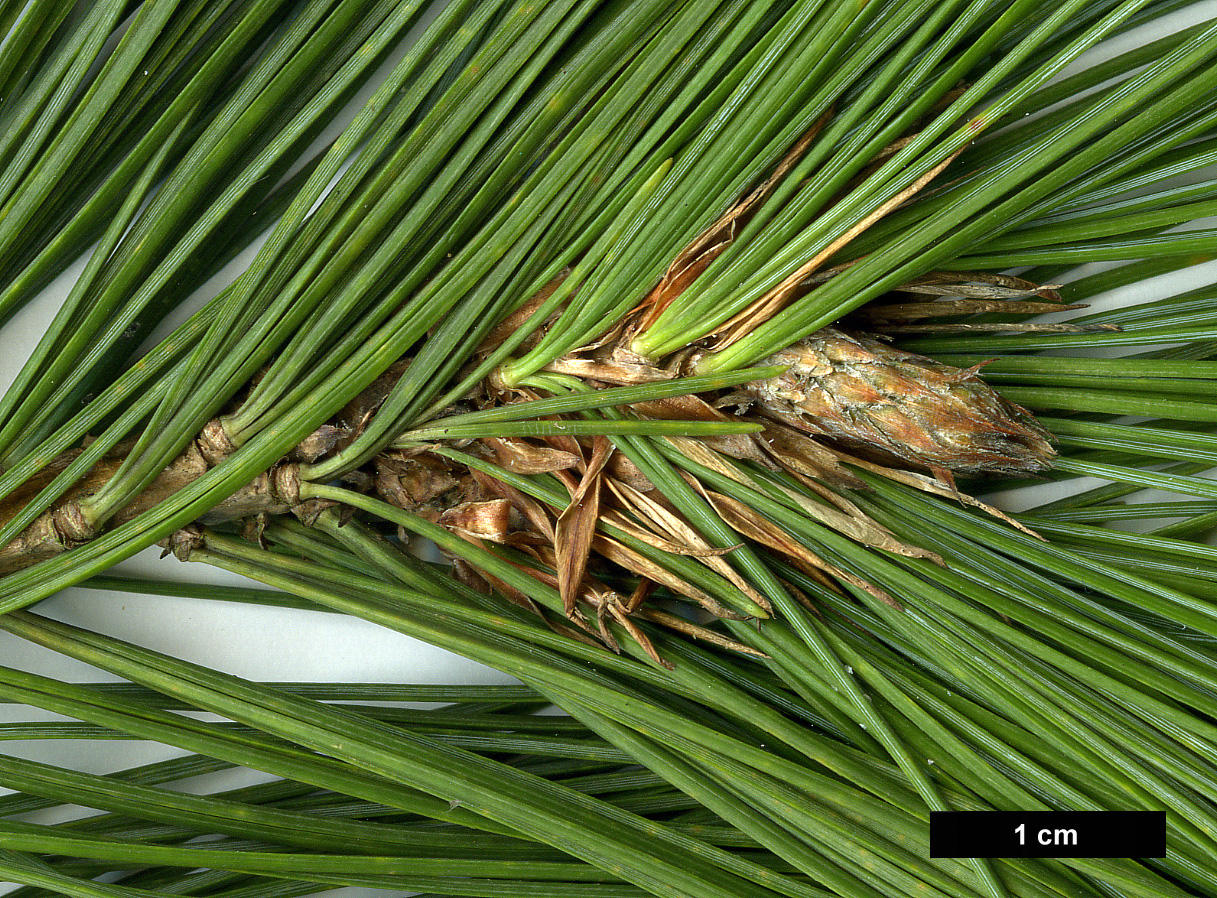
576, 525
814, 464
710, 244
748, 523
488, 519
840, 515
522, 457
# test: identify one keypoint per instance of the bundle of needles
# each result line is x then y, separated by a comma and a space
670, 357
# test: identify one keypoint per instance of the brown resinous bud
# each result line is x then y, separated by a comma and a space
896, 405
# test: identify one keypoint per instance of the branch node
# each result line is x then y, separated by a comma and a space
71, 526
285, 484
308, 511
182, 543
214, 443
